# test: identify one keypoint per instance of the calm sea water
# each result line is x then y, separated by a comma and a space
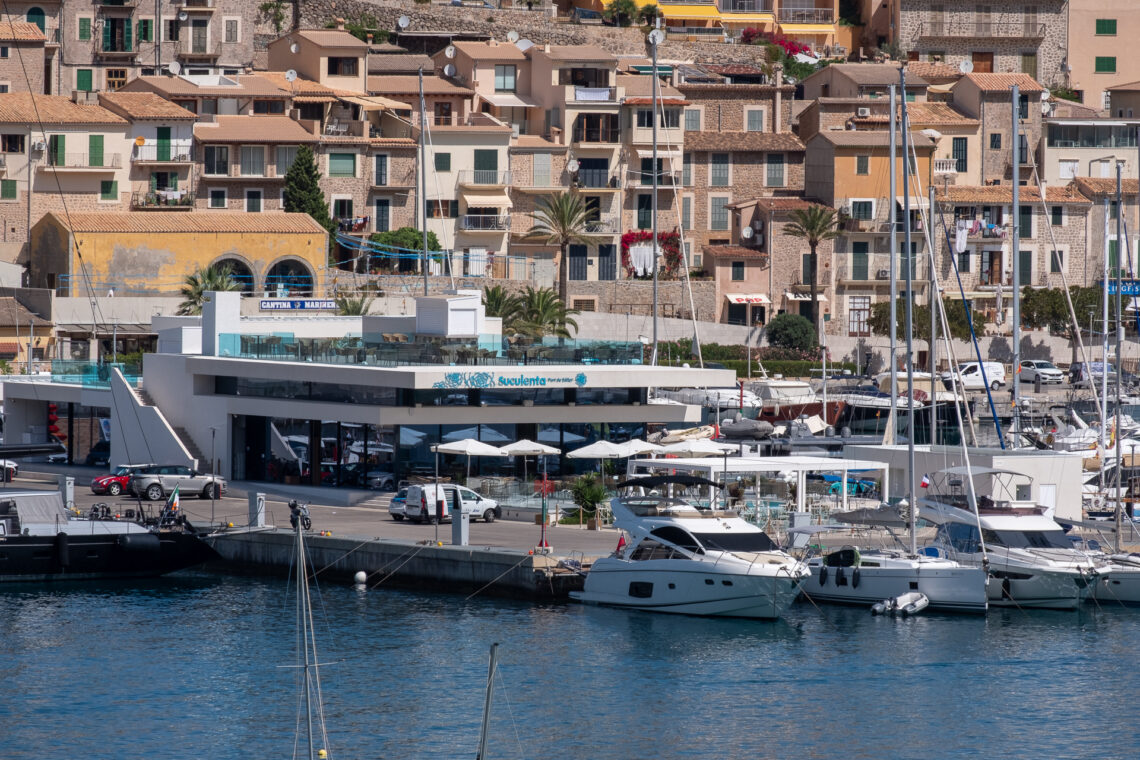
188, 667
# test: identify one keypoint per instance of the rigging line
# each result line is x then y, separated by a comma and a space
497, 577
510, 710
397, 567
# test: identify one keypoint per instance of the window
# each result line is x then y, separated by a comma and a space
505, 78
342, 67
11, 143
173, 28
1025, 270
443, 162
718, 212
958, 152
264, 107
645, 117
253, 201
671, 118
116, 78
718, 169
84, 80
738, 271
687, 169
442, 209
1106, 26
859, 315
3, 51
860, 259
687, 213
8, 189
775, 175
1025, 221
692, 120
1022, 149
1056, 262
1023, 107
342, 208
4, 87
862, 165
995, 141
85, 29
217, 159
343, 164
218, 199
252, 161
863, 210
1057, 215
285, 155
1113, 210
381, 166
1105, 64
108, 190
1068, 168
231, 30
964, 261
754, 120
383, 214
807, 268
145, 30
644, 211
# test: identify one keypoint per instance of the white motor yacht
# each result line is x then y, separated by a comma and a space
687, 560
1030, 560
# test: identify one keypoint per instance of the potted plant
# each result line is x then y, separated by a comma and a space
588, 492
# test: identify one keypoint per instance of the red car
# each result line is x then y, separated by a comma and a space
115, 483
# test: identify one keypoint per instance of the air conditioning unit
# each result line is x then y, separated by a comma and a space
882, 274
39, 145
863, 113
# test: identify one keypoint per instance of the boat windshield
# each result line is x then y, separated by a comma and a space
736, 542
1027, 539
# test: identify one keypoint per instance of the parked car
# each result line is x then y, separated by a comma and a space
397, 506
1031, 369
1084, 373
973, 378
118, 481
159, 481
11, 470
422, 500
99, 455
353, 474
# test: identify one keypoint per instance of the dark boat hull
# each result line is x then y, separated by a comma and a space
26, 559
792, 411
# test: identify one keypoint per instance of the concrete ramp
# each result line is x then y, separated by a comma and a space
140, 434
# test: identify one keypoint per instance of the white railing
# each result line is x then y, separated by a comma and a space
152, 151
945, 166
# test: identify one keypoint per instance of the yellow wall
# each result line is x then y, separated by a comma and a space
876, 184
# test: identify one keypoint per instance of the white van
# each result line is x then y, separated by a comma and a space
421, 503
972, 379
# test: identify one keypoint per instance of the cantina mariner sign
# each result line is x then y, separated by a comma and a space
298, 304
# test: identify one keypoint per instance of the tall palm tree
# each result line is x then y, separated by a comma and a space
814, 224
647, 14
353, 306
544, 313
620, 12
497, 302
561, 220
202, 281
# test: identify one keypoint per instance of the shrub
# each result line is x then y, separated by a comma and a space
791, 331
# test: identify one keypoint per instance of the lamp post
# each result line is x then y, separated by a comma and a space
213, 474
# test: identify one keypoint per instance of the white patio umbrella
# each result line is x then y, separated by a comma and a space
638, 447
468, 447
701, 447
527, 448
599, 450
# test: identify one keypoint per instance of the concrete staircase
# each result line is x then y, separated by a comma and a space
144, 397
192, 447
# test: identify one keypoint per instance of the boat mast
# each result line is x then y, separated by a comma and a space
491, 667
934, 295
303, 613
909, 272
892, 419
654, 38
1119, 343
1015, 147
423, 178
1104, 337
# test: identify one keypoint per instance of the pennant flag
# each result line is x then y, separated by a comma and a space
925, 481
172, 502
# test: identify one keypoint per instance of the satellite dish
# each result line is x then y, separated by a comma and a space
290, 75
966, 67
512, 36
140, 141
656, 37
572, 165
294, 48
1044, 94
746, 233
524, 45
449, 51
174, 67
449, 70
1046, 108
183, 15
403, 22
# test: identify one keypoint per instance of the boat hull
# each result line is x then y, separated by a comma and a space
689, 591
954, 589
1032, 588
1122, 585
88, 557
786, 412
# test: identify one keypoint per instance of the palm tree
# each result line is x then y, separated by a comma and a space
561, 220
497, 302
647, 14
544, 313
620, 12
202, 281
354, 306
814, 224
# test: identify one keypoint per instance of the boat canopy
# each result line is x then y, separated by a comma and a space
35, 507
664, 480
972, 471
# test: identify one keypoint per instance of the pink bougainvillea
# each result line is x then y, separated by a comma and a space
670, 243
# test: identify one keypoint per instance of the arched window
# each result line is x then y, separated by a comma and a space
37, 16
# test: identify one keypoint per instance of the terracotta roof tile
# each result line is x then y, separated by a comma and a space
1093, 186
17, 108
734, 69
937, 113
1126, 87
872, 74
1067, 109
641, 86
874, 138
297, 87
493, 50
930, 70
249, 85
576, 53
403, 63
196, 221
1002, 82
776, 204
144, 105
410, 85
253, 129
998, 194
20, 31
331, 38
12, 312
743, 141
733, 252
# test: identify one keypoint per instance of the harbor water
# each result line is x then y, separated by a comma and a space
190, 667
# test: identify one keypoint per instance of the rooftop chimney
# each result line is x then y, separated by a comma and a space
340, 24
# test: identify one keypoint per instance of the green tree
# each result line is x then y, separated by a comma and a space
303, 191
354, 305
202, 281
620, 12
542, 312
561, 220
273, 12
647, 14
815, 225
508, 307
791, 331
409, 240
920, 317
588, 492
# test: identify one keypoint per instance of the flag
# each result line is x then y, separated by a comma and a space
925, 481
172, 502
621, 543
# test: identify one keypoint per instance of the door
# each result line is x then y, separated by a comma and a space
983, 62
198, 31
1025, 267
577, 263
486, 167
95, 150
859, 260
57, 150
253, 201
858, 316
38, 17
164, 143
383, 214
607, 262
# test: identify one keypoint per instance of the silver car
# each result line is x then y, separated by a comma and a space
157, 482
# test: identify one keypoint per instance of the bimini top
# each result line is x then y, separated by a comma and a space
654, 481
971, 471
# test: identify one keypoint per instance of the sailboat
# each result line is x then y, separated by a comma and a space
311, 700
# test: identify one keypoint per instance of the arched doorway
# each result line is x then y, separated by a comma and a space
37, 16
240, 272
289, 277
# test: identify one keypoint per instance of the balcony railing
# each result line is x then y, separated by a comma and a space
874, 269
592, 94
966, 27
189, 49
484, 177
993, 279
745, 6
117, 54
985, 231
175, 200
485, 222
665, 179
806, 16
83, 161
945, 166
601, 227
198, 6
52, 34
153, 152
596, 134
596, 178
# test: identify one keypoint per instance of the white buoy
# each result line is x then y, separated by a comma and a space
360, 577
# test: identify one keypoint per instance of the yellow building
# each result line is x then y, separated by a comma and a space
143, 253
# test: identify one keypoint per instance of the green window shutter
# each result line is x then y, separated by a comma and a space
163, 147
1025, 268
443, 162
8, 189
57, 146
109, 190
95, 150
127, 39
174, 180
84, 29
83, 80
1106, 26
1105, 64
859, 259
959, 153
153, 181
454, 209
1112, 255
342, 164
106, 36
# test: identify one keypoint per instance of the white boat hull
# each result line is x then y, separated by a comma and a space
949, 588
1042, 589
1123, 585
686, 589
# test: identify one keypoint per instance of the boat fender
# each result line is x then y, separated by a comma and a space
823, 575
1005, 589
840, 577
879, 608
855, 578
62, 550
139, 542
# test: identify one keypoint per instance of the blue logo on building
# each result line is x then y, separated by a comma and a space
580, 380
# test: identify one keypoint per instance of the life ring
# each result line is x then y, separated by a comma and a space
823, 575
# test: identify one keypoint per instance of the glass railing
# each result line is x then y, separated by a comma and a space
398, 349
91, 374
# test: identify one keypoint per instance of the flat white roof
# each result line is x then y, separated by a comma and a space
795, 463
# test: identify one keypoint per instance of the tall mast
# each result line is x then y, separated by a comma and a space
930, 227
1104, 334
1119, 343
1015, 148
654, 36
492, 665
893, 419
908, 268
423, 178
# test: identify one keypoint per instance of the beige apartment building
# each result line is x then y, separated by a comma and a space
1100, 36
988, 98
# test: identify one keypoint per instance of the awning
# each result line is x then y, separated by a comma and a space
494, 201
507, 100
707, 12
103, 328
759, 298
672, 155
314, 99
820, 297
817, 29
375, 103
9, 348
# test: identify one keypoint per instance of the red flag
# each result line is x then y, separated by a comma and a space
621, 543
